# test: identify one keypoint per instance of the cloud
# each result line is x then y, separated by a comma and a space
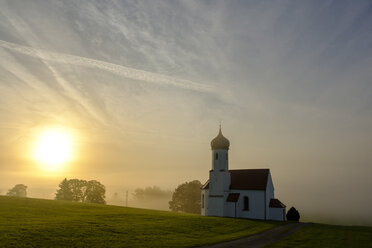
124, 71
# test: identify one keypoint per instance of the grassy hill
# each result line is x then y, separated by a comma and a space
320, 235
26, 222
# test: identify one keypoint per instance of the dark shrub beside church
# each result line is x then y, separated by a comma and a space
293, 214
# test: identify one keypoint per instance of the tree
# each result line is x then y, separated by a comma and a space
81, 191
293, 214
20, 190
64, 192
78, 188
186, 198
151, 193
95, 192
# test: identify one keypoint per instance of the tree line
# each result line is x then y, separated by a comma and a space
70, 190
149, 193
185, 198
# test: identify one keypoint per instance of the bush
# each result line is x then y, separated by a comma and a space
293, 214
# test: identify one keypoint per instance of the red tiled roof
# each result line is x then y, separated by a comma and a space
275, 203
251, 179
233, 197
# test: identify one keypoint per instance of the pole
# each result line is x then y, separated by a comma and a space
126, 199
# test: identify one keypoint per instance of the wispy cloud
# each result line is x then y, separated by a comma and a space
124, 71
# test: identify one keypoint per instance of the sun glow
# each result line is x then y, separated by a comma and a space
53, 148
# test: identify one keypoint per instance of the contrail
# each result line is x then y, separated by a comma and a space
124, 71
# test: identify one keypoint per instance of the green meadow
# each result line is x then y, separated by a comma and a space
26, 222
320, 235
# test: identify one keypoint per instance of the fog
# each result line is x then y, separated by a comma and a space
142, 86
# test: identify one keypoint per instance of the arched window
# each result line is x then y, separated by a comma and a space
216, 156
246, 203
202, 200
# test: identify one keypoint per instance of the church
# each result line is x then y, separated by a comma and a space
247, 193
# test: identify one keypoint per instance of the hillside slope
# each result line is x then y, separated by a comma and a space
26, 222
320, 235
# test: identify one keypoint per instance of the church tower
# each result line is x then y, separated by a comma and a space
219, 176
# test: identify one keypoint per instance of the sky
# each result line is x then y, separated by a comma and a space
143, 85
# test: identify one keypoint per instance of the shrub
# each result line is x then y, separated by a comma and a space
293, 214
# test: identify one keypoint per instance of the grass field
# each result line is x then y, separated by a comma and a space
319, 235
28, 222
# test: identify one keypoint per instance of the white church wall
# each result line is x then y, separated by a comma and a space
269, 188
219, 182
256, 205
277, 214
230, 209
204, 201
269, 194
220, 161
216, 205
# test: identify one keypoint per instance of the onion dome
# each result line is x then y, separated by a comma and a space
220, 142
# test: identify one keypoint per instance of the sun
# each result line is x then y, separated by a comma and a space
53, 148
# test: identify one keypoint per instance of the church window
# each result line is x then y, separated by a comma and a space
216, 155
246, 203
202, 200
227, 156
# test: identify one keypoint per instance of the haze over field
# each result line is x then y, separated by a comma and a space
140, 88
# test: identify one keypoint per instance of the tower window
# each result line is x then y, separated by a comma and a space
246, 203
202, 200
227, 156
216, 156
